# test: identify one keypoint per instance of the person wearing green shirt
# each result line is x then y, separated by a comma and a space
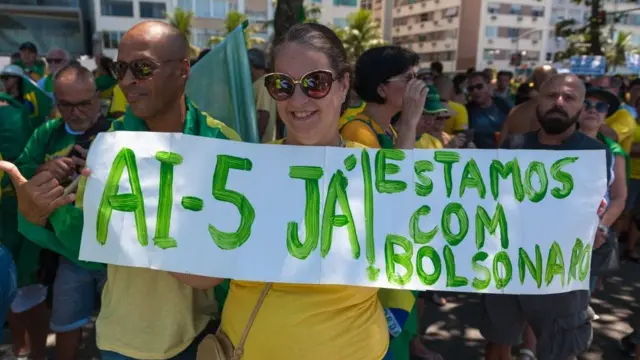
145, 314
29, 62
57, 147
28, 309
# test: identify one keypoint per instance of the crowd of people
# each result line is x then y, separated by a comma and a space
307, 94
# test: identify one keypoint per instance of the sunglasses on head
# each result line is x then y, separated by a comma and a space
470, 88
140, 69
54, 61
315, 84
600, 107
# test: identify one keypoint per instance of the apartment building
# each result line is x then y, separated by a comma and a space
468, 33
46, 23
335, 12
114, 17
209, 16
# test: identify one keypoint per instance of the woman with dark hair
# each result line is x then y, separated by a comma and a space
310, 84
385, 80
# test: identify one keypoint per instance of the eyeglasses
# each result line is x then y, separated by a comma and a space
140, 69
404, 77
54, 61
67, 106
315, 84
600, 107
471, 88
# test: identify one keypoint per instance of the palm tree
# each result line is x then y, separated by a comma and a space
231, 22
361, 34
181, 20
617, 51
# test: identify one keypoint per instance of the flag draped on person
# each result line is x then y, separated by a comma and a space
220, 84
38, 101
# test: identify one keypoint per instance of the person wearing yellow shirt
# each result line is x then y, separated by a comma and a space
265, 105
633, 193
310, 84
459, 120
385, 80
118, 104
620, 123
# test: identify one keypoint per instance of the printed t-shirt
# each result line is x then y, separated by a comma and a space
634, 160
146, 314
624, 125
459, 121
265, 102
307, 321
364, 130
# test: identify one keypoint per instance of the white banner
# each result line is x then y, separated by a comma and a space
497, 221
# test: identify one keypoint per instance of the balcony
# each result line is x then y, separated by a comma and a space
515, 20
426, 26
423, 7
509, 43
434, 46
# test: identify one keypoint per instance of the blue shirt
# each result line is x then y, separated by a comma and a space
486, 122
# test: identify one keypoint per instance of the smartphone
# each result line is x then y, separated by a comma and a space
468, 133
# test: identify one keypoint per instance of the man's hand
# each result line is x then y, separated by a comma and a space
61, 168
415, 95
80, 161
38, 197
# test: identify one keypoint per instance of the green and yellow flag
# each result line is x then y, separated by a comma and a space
39, 102
220, 84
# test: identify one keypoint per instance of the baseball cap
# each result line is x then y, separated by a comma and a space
12, 70
28, 45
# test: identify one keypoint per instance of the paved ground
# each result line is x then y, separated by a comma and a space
453, 329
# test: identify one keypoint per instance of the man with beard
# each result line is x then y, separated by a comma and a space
57, 147
561, 322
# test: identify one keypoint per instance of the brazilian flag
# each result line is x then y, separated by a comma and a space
39, 103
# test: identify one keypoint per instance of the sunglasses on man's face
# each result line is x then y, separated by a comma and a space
140, 69
471, 88
54, 61
315, 84
600, 107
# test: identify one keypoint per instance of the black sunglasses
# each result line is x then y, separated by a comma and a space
470, 88
600, 107
140, 69
54, 61
67, 106
315, 84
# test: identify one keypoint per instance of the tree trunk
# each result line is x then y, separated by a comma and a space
594, 28
287, 14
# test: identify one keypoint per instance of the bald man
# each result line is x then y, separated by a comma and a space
51, 149
560, 103
145, 314
56, 59
523, 117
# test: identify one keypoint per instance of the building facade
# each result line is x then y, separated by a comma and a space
46, 23
564, 10
468, 33
114, 17
209, 16
335, 12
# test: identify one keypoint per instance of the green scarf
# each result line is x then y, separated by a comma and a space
617, 150
48, 84
37, 68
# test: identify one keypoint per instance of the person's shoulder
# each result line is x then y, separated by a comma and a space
226, 132
354, 144
584, 142
520, 141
